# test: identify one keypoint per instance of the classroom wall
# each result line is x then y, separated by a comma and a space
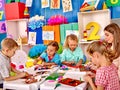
47, 12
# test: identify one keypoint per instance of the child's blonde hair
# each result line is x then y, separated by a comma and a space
70, 37
102, 48
8, 43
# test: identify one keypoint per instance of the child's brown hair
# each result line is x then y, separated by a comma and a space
70, 37
102, 48
8, 43
54, 44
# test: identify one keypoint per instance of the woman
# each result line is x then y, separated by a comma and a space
112, 36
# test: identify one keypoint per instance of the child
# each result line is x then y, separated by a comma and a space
8, 48
106, 75
50, 57
72, 54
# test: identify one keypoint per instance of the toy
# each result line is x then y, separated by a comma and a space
89, 5
93, 35
85, 35
26, 14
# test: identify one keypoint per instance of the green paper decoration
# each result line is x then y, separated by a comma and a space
112, 3
9, 1
60, 49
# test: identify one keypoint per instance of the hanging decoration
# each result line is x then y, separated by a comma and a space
36, 22
45, 3
32, 38
111, 3
48, 35
2, 16
57, 19
55, 4
29, 3
67, 5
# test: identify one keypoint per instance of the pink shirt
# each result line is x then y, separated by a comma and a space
107, 77
117, 63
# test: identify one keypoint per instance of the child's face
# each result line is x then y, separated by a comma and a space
11, 52
51, 50
95, 59
72, 44
108, 36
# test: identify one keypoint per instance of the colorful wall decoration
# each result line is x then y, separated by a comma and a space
113, 3
2, 14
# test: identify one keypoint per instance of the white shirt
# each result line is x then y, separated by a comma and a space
4, 66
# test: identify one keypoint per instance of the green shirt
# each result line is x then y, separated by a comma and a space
68, 55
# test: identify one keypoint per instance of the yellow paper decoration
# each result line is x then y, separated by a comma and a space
1, 15
104, 6
29, 64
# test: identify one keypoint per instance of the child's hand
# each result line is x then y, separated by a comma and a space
22, 74
35, 62
91, 66
71, 62
87, 78
92, 75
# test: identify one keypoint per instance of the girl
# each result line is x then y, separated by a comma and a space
72, 54
112, 36
50, 57
106, 75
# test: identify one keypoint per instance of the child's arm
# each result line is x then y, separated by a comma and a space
93, 86
18, 76
48, 63
37, 60
68, 62
15, 70
79, 63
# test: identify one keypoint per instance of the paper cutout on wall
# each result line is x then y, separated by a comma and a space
55, 4
1, 15
67, 5
112, 3
68, 32
44, 3
89, 5
2, 27
48, 35
29, 3
32, 38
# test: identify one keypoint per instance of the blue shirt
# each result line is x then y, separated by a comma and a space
76, 55
55, 59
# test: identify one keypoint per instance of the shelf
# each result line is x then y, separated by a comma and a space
18, 19
16, 28
101, 17
86, 42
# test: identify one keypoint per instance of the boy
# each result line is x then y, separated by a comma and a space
8, 48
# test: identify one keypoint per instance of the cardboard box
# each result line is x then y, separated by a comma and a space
14, 10
56, 31
64, 28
